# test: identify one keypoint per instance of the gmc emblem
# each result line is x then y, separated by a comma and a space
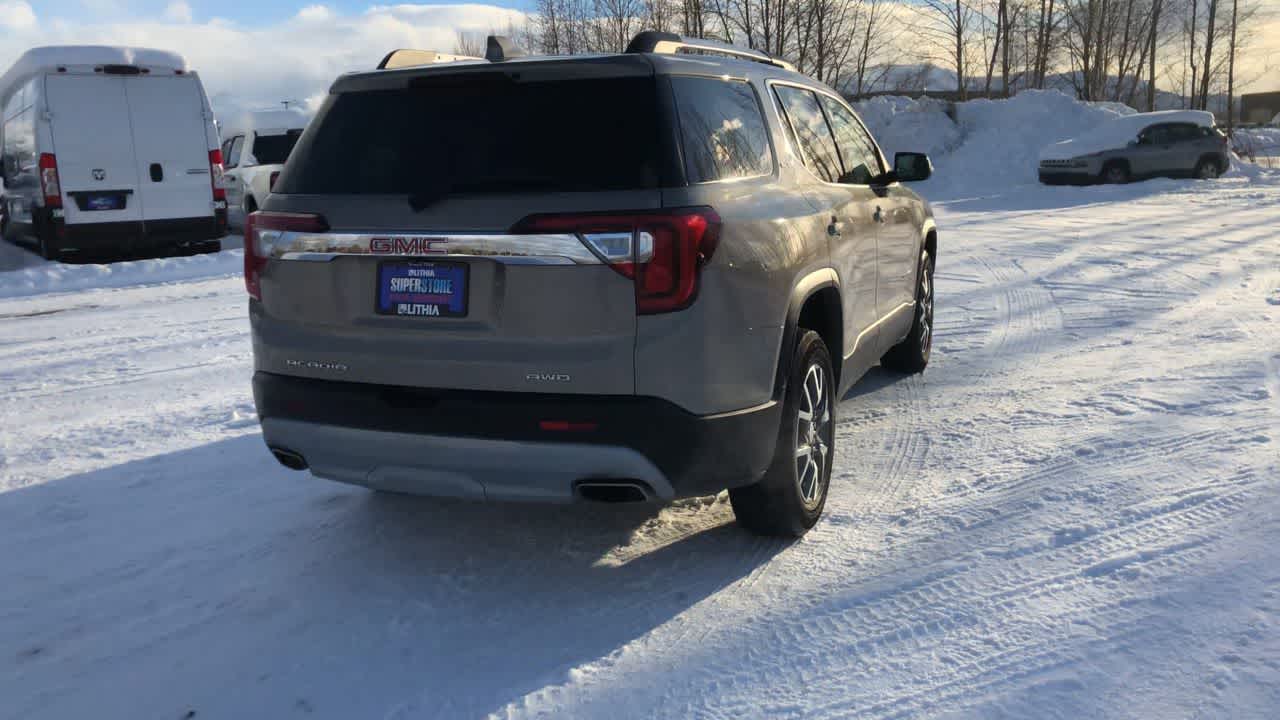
407, 246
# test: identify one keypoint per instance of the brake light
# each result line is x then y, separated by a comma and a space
261, 231
215, 176
663, 251
50, 187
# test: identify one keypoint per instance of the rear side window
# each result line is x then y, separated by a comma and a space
861, 160
722, 128
811, 131
274, 149
482, 133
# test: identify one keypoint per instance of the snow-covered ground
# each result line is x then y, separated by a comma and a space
1073, 513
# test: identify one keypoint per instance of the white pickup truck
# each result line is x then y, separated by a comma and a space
254, 148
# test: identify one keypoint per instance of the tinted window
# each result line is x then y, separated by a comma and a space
274, 149
724, 133
233, 158
861, 161
1183, 132
811, 131
1156, 135
487, 134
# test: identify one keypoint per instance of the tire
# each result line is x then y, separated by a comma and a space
912, 354
788, 501
1115, 173
1207, 169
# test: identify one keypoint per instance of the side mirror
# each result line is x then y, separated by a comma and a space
912, 167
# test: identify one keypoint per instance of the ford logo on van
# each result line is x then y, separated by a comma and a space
408, 245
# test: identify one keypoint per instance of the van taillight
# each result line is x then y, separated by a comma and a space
663, 251
261, 231
49, 185
215, 176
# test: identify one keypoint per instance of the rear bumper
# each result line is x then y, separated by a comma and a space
491, 445
131, 238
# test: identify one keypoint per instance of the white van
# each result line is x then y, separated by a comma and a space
109, 151
255, 146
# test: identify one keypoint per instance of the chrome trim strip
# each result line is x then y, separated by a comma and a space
857, 342
561, 249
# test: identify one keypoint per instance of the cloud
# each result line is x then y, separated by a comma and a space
17, 16
245, 66
315, 13
178, 11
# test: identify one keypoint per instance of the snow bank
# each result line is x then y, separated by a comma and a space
991, 144
1003, 138
48, 277
1117, 133
902, 124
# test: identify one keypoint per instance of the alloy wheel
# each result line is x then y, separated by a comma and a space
813, 441
926, 305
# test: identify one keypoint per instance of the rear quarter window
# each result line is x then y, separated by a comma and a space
722, 129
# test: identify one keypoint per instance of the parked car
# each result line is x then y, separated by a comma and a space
109, 151
1171, 143
458, 288
254, 148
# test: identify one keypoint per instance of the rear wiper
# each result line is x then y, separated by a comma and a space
423, 199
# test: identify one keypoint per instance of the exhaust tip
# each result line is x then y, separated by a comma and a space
624, 491
289, 458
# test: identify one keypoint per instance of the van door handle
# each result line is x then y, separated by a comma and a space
157, 172
836, 227
879, 215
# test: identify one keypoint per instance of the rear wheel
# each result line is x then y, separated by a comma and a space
912, 354
790, 497
1207, 169
1115, 173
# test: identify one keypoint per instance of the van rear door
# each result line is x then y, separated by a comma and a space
94, 147
170, 146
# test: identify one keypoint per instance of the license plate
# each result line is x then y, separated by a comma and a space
104, 202
422, 289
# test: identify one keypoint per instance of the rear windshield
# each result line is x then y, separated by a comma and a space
482, 134
274, 149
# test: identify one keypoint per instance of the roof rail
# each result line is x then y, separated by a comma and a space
665, 43
409, 58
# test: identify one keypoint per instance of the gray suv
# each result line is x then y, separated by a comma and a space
627, 277
1163, 149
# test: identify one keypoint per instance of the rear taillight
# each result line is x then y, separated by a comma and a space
50, 187
271, 181
261, 231
663, 251
215, 176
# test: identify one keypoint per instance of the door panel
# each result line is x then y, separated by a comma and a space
93, 143
898, 259
167, 115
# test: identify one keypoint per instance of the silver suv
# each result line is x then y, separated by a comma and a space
1161, 149
627, 277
